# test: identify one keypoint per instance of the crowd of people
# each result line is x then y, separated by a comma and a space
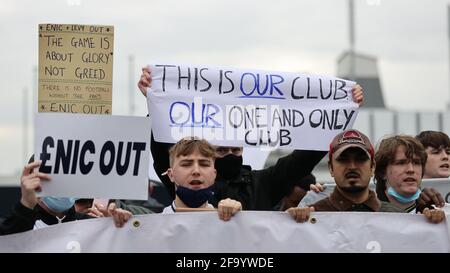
202, 177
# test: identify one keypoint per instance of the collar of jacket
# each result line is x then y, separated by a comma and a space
343, 204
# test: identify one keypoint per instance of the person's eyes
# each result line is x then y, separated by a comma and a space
401, 162
362, 158
342, 159
204, 163
417, 162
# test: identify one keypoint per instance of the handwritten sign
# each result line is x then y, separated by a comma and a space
94, 156
249, 107
75, 68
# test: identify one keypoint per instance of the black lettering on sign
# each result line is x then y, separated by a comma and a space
107, 147
44, 156
342, 92
54, 71
87, 147
70, 154
285, 138
260, 137
122, 168
138, 147
221, 76
63, 156
104, 43
52, 41
187, 77
56, 56
330, 119
164, 66
315, 118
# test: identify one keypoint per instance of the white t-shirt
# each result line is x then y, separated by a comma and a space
172, 208
41, 224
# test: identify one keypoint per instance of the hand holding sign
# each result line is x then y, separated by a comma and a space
145, 80
30, 183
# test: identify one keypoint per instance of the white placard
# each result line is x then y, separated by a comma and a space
251, 108
248, 231
93, 156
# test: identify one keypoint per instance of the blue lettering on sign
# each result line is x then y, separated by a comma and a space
182, 114
267, 90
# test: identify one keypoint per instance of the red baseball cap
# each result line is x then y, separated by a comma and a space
350, 138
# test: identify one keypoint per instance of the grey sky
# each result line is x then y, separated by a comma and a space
409, 37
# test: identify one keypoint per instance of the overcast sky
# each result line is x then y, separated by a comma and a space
409, 38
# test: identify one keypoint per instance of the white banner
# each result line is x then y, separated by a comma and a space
93, 156
249, 107
248, 231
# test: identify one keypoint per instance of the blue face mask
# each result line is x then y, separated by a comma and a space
58, 204
401, 198
194, 198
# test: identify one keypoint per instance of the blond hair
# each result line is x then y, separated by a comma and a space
187, 146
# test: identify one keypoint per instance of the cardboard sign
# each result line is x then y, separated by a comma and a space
75, 68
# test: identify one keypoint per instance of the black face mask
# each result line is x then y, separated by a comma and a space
228, 166
194, 198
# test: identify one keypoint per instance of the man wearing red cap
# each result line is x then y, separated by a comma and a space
351, 163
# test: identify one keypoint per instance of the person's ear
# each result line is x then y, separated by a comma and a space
373, 167
170, 175
330, 168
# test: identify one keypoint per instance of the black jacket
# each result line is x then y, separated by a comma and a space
255, 189
23, 218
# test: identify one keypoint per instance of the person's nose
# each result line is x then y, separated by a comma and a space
352, 164
444, 155
410, 167
195, 169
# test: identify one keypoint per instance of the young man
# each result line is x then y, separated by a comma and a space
400, 165
437, 146
351, 164
193, 173
256, 189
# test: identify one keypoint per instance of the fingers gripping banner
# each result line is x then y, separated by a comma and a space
248, 107
256, 232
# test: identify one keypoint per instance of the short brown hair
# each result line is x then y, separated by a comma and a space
189, 145
385, 155
434, 139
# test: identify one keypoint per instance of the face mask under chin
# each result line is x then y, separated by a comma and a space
194, 198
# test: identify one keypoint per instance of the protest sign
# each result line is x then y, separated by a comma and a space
251, 108
93, 155
75, 68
